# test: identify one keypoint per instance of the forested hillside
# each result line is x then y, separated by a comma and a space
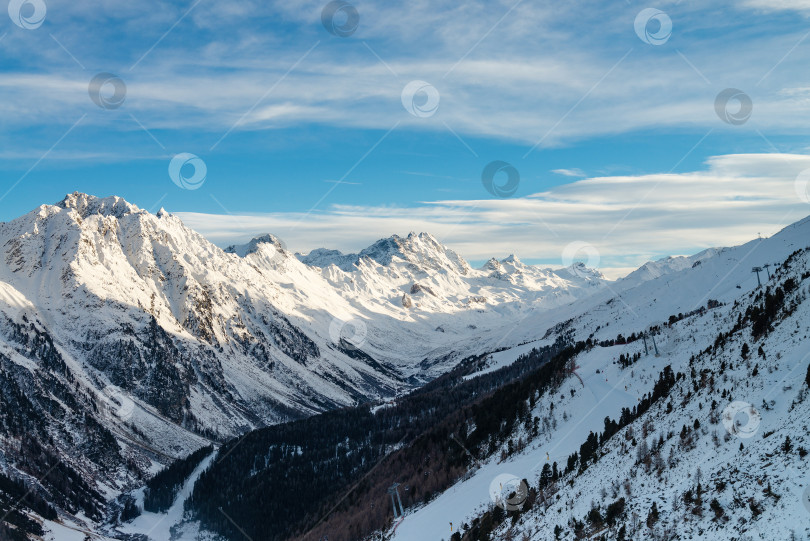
320, 459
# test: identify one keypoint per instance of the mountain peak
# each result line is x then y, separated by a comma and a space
86, 205
580, 270
492, 265
424, 235
422, 249
253, 246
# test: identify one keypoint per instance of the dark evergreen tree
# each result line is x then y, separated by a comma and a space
572, 462
614, 512
787, 445
652, 516
546, 476
717, 509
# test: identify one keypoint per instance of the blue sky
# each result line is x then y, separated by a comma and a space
304, 133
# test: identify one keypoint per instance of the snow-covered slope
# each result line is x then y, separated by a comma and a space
127, 339
740, 355
132, 297
99, 273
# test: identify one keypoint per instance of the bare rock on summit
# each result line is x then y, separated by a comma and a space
416, 288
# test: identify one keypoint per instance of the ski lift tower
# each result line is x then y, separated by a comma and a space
392, 491
768, 270
757, 270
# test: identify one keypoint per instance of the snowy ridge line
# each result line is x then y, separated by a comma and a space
538, 524
207, 345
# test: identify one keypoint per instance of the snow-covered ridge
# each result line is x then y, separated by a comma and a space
254, 335
242, 250
422, 249
698, 464
157, 341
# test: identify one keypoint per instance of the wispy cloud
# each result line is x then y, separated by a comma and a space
509, 87
569, 172
778, 5
732, 200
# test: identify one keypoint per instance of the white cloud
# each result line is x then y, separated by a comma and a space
629, 219
507, 86
778, 5
569, 172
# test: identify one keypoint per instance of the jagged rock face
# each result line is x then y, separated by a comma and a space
48, 422
418, 288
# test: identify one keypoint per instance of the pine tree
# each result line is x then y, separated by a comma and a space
546, 476
787, 445
572, 462
642, 452
717, 509
653, 515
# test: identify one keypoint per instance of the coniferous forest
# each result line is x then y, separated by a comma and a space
315, 462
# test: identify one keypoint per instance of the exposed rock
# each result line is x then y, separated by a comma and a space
416, 288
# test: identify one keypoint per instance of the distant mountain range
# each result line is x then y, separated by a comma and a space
128, 340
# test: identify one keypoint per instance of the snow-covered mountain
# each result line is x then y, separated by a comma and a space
667, 418
132, 330
421, 250
707, 460
128, 340
678, 410
420, 272
101, 275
